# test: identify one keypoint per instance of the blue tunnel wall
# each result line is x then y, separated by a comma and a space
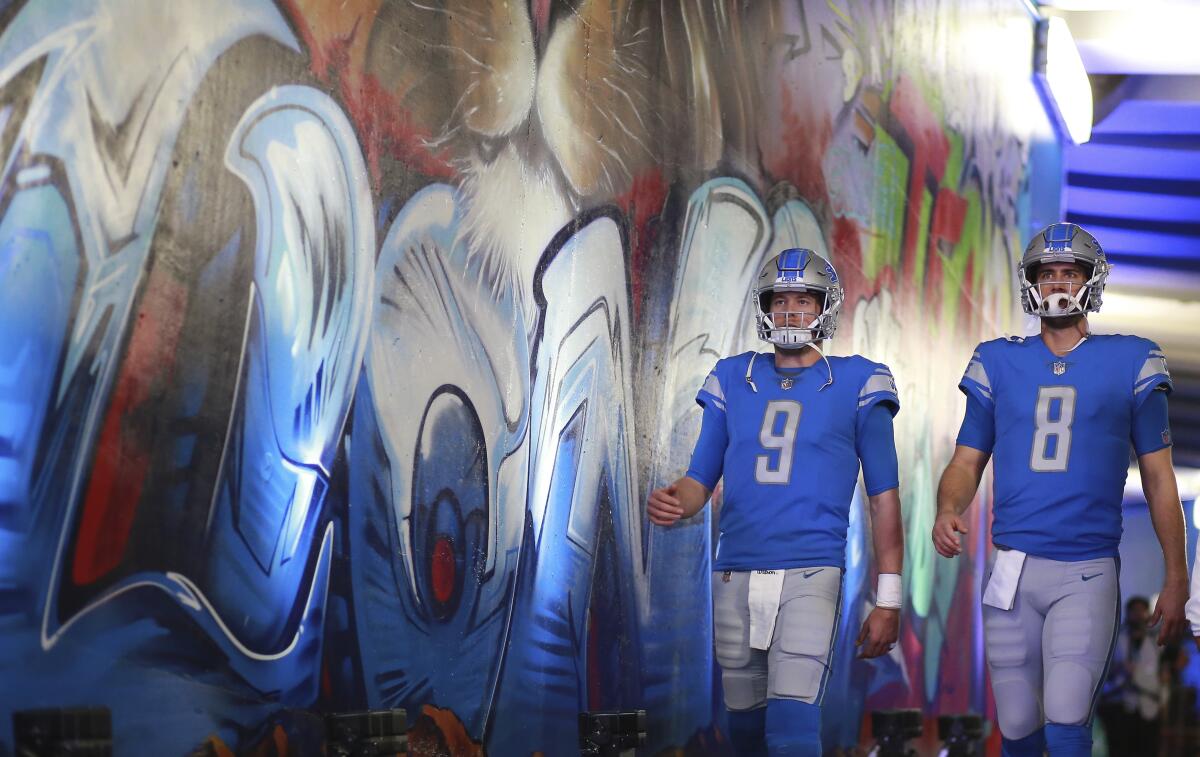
342, 342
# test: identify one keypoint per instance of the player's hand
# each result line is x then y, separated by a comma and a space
1169, 611
879, 633
946, 529
664, 507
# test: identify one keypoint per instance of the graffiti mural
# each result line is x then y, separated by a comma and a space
342, 342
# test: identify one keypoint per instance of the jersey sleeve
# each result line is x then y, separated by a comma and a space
708, 458
1152, 373
976, 382
978, 430
878, 388
875, 443
1151, 424
712, 393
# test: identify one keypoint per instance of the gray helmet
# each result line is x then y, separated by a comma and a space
797, 270
1063, 243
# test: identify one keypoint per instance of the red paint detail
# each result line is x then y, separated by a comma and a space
384, 126
798, 153
642, 204
945, 230
540, 10
913, 652
927, 162
441, 569
845, 241
949, 214
124, 448
326, 679
956, 667
389, 129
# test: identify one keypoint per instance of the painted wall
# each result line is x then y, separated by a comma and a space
342, 342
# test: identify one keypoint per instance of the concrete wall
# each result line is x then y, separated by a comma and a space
343, 339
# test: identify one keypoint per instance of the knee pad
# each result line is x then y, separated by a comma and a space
793, 728
748, 732
1018, 709
743, 678
1033, 745
1068, 740
796, 677
745, 688
799, 662
1070, 687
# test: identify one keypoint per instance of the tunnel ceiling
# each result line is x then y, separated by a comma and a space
1136, 183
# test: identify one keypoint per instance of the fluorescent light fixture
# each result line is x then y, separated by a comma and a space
1060, 71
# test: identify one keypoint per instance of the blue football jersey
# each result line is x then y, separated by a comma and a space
790, 462
1062, 436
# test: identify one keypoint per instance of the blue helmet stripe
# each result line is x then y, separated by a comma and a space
1060, 234
791, 263
787, 261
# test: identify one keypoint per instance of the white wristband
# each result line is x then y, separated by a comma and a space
888, 592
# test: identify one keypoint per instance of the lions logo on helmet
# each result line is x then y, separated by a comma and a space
797, 270
1062, 243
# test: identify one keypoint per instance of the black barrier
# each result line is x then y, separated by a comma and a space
892, 730
960, 734
366, 734
80, 731
610, 733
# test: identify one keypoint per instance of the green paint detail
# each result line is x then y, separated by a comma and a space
970, 247
891, 190
954, 161
920, 560
920, 262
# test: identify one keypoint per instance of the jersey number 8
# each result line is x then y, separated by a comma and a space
784, 442
1044, 457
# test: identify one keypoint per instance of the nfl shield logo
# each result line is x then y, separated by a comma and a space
786, 383
1059, 367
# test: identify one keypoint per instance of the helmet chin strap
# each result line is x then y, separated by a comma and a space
828, 367
749, 369
815, 348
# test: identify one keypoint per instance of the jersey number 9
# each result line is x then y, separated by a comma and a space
784, 442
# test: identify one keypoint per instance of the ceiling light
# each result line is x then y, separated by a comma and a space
1062, 78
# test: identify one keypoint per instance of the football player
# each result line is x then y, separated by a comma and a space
787, 433
1058, 412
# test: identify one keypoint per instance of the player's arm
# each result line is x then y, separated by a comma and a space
1166, 513
887, 531
877, 451
881, 629
961, 478
957, 488
1151, 440
687, 495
